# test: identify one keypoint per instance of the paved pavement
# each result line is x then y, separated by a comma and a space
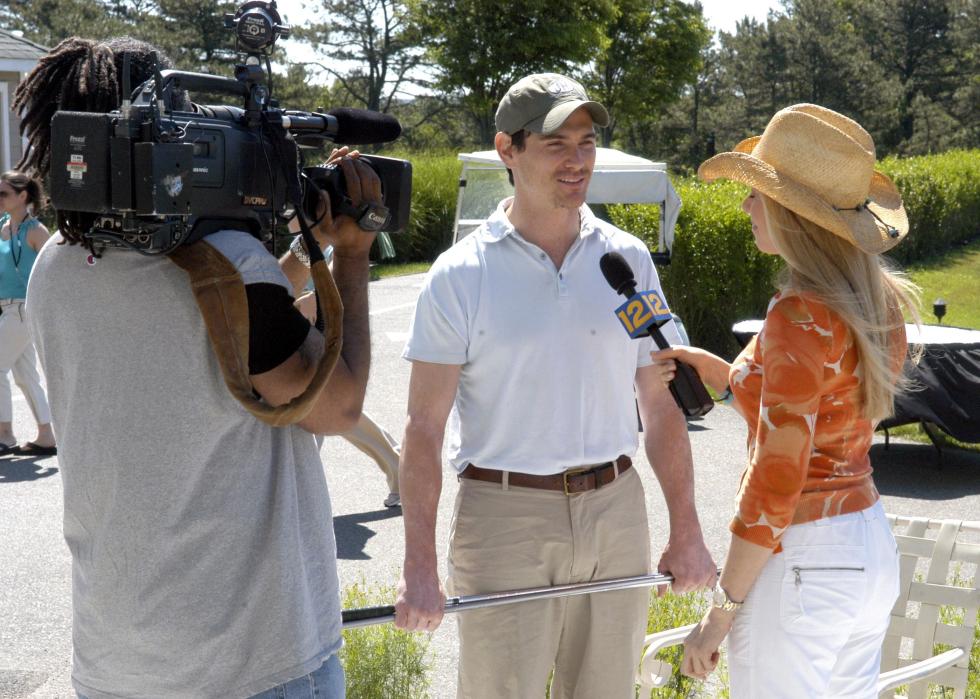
35, 643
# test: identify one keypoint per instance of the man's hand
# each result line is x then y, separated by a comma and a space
688, 560
363, 186
421, 602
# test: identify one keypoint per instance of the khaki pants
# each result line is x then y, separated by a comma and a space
508, 538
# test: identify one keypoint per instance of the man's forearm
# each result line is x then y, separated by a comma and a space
296, 272
341, 402
669, 451
420, 485
351, 273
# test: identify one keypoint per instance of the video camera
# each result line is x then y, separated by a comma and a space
161, 172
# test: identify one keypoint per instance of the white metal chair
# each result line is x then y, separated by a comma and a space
937, 606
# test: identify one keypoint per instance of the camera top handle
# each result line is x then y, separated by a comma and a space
185, 80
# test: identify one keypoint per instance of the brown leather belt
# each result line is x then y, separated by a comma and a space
574, 480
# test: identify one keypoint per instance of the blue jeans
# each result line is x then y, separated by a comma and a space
326, 682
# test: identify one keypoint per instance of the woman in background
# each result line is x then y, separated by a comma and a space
21, 238
812, 571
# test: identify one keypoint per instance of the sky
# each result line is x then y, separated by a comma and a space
723, 14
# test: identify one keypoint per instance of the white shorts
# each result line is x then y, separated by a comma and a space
813, 624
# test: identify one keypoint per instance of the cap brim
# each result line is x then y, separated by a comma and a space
859, 227
552, 121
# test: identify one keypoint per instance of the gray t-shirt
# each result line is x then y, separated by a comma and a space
203, 553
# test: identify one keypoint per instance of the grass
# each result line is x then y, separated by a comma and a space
382, 662
953, 616
955, 277
385, 270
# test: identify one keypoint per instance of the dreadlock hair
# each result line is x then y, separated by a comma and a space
80, 75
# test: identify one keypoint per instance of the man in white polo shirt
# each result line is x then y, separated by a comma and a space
515, 333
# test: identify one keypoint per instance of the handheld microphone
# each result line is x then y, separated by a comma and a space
643, 314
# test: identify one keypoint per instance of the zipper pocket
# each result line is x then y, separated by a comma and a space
797, 570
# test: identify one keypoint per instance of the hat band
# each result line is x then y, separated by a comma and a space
892, 231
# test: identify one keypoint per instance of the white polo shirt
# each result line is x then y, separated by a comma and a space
547, 371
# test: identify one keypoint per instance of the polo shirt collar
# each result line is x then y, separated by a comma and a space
498, 226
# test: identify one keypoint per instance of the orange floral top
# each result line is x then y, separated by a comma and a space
797, 386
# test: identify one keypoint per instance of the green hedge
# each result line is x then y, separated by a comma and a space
716, 275
435, 183
942, 197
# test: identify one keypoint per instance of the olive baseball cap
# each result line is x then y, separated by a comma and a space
541, 102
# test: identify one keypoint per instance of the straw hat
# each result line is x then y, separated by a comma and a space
819, 164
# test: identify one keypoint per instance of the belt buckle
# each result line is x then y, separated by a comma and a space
571, 472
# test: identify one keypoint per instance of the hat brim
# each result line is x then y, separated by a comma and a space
549, 123
859, 227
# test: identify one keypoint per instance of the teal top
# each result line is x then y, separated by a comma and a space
16, 259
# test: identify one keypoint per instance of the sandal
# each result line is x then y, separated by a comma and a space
32, 449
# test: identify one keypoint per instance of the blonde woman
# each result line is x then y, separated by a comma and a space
21, 237
812, 571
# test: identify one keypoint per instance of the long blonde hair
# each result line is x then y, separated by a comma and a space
862, 288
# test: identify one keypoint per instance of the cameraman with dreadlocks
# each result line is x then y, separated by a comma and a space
203, 554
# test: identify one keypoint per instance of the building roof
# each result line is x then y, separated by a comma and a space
16, 47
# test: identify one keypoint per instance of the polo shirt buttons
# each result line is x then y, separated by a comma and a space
562, 287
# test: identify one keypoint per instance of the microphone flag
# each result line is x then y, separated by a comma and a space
641, 312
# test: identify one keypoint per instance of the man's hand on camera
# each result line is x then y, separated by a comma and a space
343, 232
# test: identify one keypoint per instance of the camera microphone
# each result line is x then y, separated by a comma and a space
643, 314
355, 126
346, 126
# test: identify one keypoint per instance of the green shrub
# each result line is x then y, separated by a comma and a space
383, 662
716, 275
435, 184
942, 197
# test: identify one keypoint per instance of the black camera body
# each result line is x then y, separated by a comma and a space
151, 178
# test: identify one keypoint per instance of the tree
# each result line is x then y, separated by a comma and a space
479, 48
296, 90
193, 34
910, 40
190, 32
652, 50
965, 102
47, 22
371, 34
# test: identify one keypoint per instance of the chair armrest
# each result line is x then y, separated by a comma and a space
918, 670
654, 672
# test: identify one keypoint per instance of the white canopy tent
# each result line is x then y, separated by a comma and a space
618, 178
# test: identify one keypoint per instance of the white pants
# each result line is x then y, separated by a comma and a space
17, 355
813, 624
373, 440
